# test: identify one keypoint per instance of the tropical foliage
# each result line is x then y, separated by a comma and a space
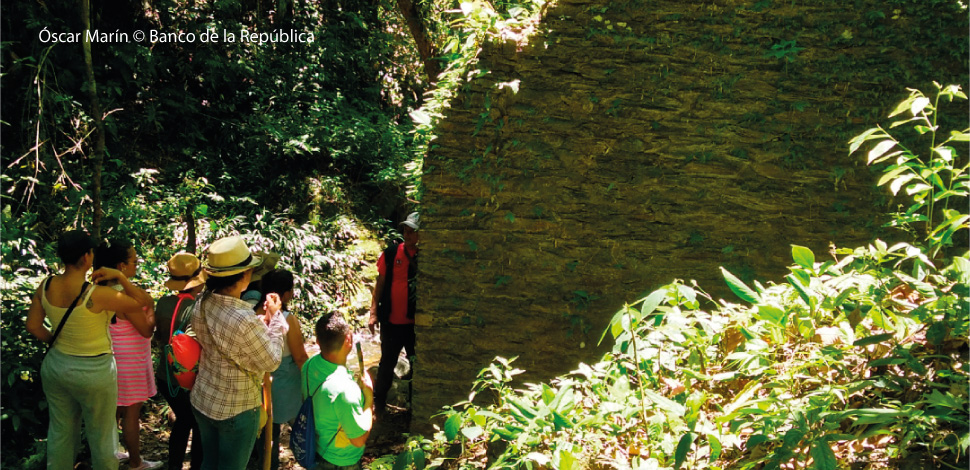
858, 356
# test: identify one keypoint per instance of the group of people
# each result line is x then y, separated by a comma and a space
98, 368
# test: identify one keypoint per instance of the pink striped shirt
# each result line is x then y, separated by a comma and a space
133, 353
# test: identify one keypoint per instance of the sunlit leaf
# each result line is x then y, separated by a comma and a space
879, 149
803, 256
652, 302
919, 104
739, 287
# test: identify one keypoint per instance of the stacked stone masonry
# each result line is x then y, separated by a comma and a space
628, 144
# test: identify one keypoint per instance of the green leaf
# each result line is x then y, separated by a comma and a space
956, 136
402, 461
665, 403
903, 106
715, 447
803, 256
873, 339
869, 134
892, 174
683, 447
772, 314
472, 432
755, 441
739, 288
452, 426
419, 459
823, 456
879, 149
652, 302
919, 104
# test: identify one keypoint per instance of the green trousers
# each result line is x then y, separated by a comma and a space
81, 388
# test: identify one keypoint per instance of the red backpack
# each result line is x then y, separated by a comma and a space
182, 351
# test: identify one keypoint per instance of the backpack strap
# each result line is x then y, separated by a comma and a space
175, 313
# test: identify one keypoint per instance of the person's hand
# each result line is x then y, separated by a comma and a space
271, 306
106, 274
372, 322
365, 382
149, 314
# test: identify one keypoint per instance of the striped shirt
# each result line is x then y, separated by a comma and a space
237, 349
133, 354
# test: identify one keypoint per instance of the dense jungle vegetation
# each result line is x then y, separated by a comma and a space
857, 357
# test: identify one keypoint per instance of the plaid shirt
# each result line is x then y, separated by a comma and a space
227, 386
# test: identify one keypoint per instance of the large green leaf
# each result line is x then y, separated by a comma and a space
452, 426
652, 302
683, 447
403, 461
740, 288
803, 256
873, 339
823, 456
880, 148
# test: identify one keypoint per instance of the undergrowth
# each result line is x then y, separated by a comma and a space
856, 359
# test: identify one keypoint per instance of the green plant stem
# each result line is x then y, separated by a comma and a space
636, 358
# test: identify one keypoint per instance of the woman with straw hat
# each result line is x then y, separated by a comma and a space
238, 347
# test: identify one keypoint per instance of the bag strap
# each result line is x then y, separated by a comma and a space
67, 314
310, 397
175, 314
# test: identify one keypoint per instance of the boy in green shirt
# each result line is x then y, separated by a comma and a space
342, 407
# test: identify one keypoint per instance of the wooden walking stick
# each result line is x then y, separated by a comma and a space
268, 429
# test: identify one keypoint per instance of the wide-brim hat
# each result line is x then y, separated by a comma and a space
269, 264
185, 272
230, 256
413, 221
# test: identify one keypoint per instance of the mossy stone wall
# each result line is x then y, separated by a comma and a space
632, 143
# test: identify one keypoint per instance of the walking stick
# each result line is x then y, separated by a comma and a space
268, 429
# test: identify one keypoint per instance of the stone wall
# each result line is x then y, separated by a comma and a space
632, 143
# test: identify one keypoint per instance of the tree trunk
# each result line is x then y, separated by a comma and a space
420, 34
190, 229
98, 156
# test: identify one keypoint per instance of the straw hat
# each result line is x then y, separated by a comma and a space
269, 263
185, 272
229, 256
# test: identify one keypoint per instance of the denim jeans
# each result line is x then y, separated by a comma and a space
80, 388
227, 444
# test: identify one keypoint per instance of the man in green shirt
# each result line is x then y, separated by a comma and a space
342, 406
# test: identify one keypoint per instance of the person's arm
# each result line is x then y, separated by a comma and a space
260, 346
375, 297
294, 339
367, 388
36, 315
144, 323
132, 300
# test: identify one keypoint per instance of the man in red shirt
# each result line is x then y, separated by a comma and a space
393, 306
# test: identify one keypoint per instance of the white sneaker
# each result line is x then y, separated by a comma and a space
147, 465
121, 456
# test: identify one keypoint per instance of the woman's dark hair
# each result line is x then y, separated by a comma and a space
278, 281
214, 283
331, 329
112, 252
73, 245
